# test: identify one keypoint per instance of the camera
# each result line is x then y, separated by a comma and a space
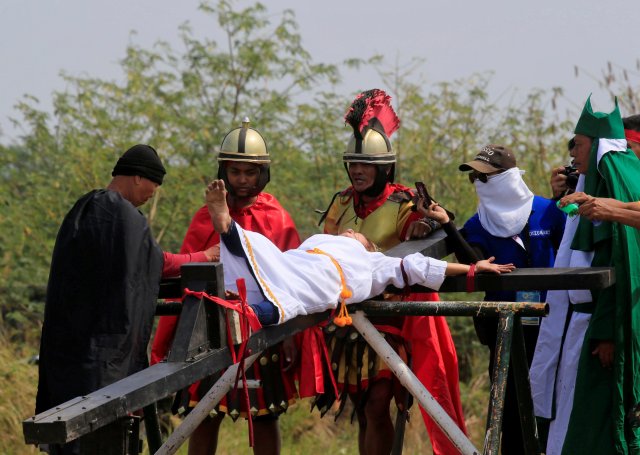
572, 176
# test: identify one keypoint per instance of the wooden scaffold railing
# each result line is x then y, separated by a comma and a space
104, 421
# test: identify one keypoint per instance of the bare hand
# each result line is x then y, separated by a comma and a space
487, 265
596, 210
558, 182
216, 192
290, 351
213, 253
418, 229
434, 211
231, 295
605, 350
575, 198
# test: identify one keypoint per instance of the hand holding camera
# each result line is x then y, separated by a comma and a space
563, 181
572, 176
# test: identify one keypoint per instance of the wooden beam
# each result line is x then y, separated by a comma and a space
533, 279
82, 415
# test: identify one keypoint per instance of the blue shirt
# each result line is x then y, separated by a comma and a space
546, 225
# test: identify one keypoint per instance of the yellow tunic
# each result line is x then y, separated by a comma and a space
383, 226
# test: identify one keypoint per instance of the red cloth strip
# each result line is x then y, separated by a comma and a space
471, 278
248, 321
313, 355
235, 305
325, 351
632, 135
245, 324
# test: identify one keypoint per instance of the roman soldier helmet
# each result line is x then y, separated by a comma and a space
373, 121
246, 145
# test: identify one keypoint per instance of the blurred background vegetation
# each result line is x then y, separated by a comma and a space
183, 103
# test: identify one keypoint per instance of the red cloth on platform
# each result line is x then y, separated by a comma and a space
265, 216
313, 354
435, 364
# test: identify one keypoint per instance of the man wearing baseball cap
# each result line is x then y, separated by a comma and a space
516, 227
491, 159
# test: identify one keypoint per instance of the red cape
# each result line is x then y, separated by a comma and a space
265, 216
435, 364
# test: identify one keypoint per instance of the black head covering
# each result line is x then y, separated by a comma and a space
141, 160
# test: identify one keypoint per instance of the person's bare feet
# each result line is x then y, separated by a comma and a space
216, 199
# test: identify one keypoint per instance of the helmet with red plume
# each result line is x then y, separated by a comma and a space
373, 121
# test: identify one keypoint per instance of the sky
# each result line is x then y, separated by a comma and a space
524, 44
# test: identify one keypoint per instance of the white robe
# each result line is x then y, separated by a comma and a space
553, 375
298, 282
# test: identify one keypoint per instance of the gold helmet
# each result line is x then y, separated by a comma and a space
373, 121
245, 145
372, 147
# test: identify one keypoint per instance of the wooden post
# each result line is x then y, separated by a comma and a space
499, 383
408, 379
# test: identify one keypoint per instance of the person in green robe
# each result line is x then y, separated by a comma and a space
607, 389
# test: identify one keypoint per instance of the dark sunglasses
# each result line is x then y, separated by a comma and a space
475, 175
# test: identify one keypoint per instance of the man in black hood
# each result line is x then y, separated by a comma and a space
103, 285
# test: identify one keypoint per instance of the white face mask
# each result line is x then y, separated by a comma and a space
504, 203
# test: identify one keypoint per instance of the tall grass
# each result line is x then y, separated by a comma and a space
17, 395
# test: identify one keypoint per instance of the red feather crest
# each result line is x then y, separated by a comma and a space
370, 109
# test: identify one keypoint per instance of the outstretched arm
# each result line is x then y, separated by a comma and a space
605, 209
601, 209
422, 270
485, 265
173, 262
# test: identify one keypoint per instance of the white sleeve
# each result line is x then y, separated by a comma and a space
420, 269
425, 271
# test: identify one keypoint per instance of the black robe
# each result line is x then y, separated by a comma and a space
103, 285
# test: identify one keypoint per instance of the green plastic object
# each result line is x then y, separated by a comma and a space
569, 209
